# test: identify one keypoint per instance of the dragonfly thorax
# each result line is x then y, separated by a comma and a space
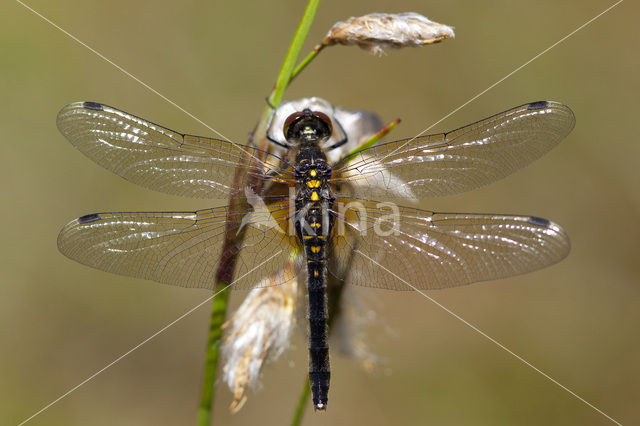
313, 197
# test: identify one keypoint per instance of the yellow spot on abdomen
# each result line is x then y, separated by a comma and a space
315, 273
314, 196
315, 249
313, 173
313, 184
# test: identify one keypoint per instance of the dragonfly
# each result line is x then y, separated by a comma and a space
316, 207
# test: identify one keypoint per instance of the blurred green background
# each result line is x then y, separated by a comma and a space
578, 321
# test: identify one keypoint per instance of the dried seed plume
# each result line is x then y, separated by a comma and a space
258, 332
377, 31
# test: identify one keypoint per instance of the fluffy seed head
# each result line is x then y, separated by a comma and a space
259, 331
377, 31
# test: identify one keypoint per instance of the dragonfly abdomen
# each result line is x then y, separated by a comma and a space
313, 235
319, 369
313, 203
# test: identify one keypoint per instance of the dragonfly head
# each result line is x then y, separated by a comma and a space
307, 126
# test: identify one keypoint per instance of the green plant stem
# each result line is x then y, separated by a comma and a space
218, 312
303, 401
374, 139
284, 77
306, 61
229, 255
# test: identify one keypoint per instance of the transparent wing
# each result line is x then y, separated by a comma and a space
156, 157
397, 249
460, 160
179, 248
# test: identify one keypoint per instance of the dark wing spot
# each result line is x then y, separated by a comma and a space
92, 105
538, 105
89, 218
534, 220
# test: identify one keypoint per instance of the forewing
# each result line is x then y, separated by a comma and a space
411, 248
178, 248
156, 157
460, 160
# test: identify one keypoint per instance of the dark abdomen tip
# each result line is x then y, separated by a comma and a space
87, 218
538, 105
93, 105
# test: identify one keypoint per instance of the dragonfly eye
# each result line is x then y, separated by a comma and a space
301, 122
293, 118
